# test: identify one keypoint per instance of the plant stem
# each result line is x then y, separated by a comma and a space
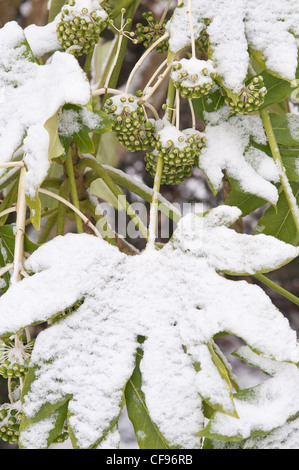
278, 160
158, 175
73, 189
20, 228
157, 84
155, 203
88, 61
189, 13
49, 225
8, 211
101, 172
265, 280
143, 57
143, 191
71, 206
61, 211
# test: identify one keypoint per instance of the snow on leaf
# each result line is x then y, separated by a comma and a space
174, 298
31, 95
266, 26
263, 408
228, 148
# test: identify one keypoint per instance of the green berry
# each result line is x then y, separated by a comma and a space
250, 98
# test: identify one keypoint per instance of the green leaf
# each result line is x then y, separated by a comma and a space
46, 409
291, 164
83, 140
279, 221
282, 131
277, 89
208, 103
100, 189
224, 374
55, 424
55, 147
35, 210
7, 241
147, 433
55, 8
247, 203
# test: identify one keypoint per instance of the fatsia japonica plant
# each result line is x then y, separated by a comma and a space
137, 328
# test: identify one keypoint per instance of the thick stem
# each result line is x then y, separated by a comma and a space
265, 280
73, 189
159, 170
20, 228
282, 172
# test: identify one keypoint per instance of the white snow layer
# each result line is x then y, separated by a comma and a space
266, 26
173, 297
228, 148
31, 94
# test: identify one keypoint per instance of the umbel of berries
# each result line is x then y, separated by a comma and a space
193, 77
250, 98
129, 122
150, 33
179, 150
14, 359
80, 25
10, 417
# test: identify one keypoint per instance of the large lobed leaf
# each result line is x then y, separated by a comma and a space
265, 27
174, 298
31, 95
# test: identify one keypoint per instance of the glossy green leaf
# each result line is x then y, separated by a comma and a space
208, 103
282, 131
147, 433
279, 222
247, 203
8, 240
83, 141
277, 89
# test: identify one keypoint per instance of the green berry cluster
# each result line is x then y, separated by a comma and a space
179, 154
13, 370
10, 417
250, 98
151, 32
129, 122
79, 29
193, 77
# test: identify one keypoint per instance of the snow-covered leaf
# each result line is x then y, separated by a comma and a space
263, 408
173, 297
265, 27
31, 95
228, 148
278, 222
